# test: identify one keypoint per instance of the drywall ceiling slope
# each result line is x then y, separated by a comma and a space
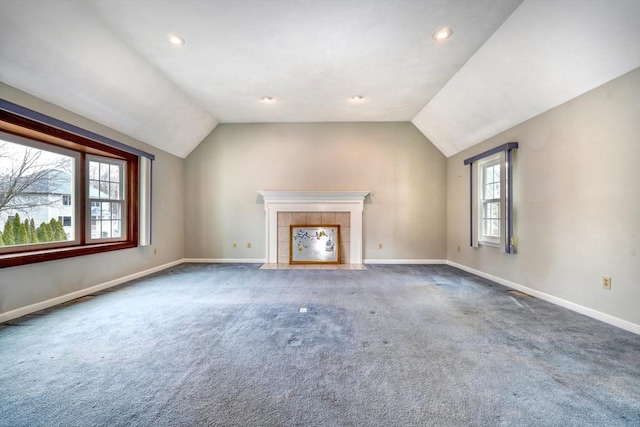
109, 60
545, 54
63, 53
309, 55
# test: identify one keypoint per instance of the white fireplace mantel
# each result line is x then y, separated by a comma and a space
314, 201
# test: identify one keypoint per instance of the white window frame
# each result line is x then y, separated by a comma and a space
504, 155
484, 238
62, 218
122, 201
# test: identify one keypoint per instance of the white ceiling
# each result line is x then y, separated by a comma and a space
109, 60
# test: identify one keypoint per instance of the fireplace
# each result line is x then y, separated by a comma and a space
286, 219
310, 202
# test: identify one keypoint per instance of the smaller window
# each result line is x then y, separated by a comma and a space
490, 201
65, 220
66, 199
107, 198
491, 198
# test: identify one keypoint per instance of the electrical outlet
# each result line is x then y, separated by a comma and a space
235, 245
155, 251
248, 245
379, 245
458, 248
606, 282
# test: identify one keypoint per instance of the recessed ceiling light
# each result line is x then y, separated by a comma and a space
175, 39
268, 99
357, 99
442, 34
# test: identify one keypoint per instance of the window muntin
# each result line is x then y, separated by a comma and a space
107, 198
490, 200
505, 155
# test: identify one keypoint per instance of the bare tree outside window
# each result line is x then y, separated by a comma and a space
35, 184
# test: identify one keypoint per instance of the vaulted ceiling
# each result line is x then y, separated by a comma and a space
507, 61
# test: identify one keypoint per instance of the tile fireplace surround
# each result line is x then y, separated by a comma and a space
285, 219
310, 202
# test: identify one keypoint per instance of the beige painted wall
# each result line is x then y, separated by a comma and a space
577, 200
34, 283
405, 173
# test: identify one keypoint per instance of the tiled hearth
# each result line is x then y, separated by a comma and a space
313, 267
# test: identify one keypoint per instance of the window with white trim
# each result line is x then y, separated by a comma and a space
490, 201
65, 221
106, 198
491, 198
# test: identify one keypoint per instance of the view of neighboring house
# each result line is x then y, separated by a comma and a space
41, 198
104, 216
51, 197
37, 183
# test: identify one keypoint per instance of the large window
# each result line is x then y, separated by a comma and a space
35, 182
62, 194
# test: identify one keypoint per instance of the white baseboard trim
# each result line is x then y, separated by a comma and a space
225, 260
606, 318
405, 261
23, 311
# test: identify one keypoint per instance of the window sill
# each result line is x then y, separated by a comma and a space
24, 258
489, 244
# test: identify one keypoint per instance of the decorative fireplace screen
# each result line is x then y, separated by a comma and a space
314, 244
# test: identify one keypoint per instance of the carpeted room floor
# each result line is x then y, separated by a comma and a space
227, 345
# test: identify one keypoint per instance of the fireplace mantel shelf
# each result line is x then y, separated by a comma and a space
329, 201
313, 196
